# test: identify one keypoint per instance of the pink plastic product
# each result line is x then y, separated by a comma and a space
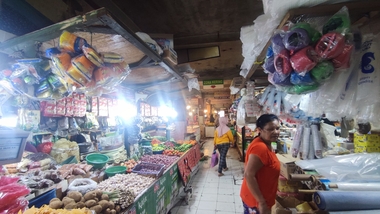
282, 62
343, 60
21, 204
11, 192
330, 45
304, 60
5, 180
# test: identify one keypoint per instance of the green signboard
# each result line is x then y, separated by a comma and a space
213, 82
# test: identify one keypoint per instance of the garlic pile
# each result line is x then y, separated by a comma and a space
128, 185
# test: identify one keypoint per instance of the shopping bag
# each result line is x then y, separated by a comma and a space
214, 159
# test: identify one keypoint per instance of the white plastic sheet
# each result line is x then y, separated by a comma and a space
352, 168
297, 141
317, 142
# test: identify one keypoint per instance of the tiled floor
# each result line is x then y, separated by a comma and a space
213, 194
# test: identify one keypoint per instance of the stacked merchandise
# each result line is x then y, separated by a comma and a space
301, 59
307, 142
76, 66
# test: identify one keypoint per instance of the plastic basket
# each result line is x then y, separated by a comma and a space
155, 170
42, 199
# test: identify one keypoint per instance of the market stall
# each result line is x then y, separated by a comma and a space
85, 140
315, 80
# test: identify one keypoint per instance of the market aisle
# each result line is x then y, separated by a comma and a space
213, 194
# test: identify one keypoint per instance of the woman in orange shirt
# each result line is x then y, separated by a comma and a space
262, 168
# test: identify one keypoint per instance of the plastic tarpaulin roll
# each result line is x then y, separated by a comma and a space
343, 186
346, 201
305, 142
297, 141
311, 154
317, 142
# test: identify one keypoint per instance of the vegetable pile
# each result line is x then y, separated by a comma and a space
128, 187
159, 159
94, 200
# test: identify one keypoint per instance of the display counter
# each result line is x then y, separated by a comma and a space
166, 190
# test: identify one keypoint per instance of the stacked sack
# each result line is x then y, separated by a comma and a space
301, 59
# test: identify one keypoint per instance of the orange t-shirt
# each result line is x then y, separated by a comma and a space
267, 176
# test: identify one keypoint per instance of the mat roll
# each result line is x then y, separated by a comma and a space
347, 200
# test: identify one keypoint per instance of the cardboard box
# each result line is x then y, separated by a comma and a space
366, 143
288, 204
287, 164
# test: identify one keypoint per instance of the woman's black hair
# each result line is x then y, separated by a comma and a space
264, 119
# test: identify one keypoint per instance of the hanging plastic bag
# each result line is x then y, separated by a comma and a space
328, 135
368, 91
214, 159
82, 185
339, 22
193, 83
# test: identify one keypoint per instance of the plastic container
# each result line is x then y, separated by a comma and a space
147, 150
113, 170
84, 147
42, 199
149, 169
70, 160
287, 186
61, 154
158, 152
98, 161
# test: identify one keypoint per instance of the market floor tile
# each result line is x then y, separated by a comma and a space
213, 194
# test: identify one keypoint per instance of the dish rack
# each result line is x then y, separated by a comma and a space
149, 169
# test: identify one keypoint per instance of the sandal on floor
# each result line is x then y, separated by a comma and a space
225, 169
220, 174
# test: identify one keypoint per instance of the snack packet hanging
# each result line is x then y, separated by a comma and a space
71, 42
92, 55
85, 66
